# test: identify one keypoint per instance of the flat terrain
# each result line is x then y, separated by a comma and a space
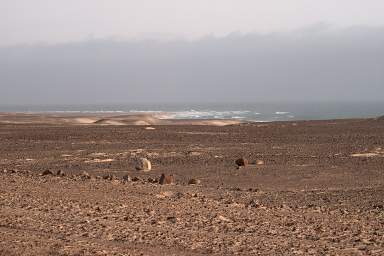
320, 190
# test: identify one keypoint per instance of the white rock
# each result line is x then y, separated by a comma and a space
143, 164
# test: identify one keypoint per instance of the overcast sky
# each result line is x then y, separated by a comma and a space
52, 21
94, 51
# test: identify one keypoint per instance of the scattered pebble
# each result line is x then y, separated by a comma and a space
153, 180
109, 177
85, 175
127, 178
134, 179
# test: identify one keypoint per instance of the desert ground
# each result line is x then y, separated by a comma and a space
69, 187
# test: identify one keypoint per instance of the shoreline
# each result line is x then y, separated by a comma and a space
143, 119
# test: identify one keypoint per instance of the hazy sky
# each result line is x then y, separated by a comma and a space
98, 51
52, 21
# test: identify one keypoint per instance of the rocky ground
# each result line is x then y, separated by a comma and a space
318, 189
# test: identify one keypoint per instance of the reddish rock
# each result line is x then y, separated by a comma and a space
166, 179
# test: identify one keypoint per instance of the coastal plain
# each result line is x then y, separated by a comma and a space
68, 186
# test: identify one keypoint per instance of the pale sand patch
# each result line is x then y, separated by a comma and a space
205, 133
99, 160
194, 153
110, 122
84, 120
141, 122
216, 122
98, 154
365, 155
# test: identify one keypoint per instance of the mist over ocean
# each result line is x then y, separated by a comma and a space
259, 112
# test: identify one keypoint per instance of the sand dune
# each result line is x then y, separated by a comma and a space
102, 119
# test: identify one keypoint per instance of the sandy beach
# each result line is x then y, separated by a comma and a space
69, 186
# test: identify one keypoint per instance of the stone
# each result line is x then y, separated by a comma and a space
253, 204
241, 162
194, 182
47, 172
259, 162
223, 219
166, 179
85, 175
153, 180
109, 177
172, 219
134, 179
127, 178
165, 194
143, 164
60, 173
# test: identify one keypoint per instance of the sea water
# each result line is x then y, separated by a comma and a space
259, 112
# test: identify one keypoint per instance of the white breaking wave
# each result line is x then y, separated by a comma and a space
281, 113
78, 111
195, 114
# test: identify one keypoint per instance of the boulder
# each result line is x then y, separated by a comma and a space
166, 179
143, 164
241, 162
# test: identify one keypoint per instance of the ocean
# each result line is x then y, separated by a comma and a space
259, 112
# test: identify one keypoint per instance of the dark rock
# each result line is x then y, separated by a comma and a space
153, 180
172, 219
127, 178
47, 172
166, 179
134, 179
253, 204
109, 177
241, 162
60, 173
